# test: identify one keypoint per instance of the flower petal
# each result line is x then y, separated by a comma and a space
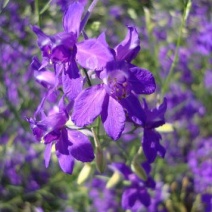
142, 81
113, 118
81, 149
134, 109
47, 154
93, 54
129, 47
72, 17
88, 105
72, 82
129, 198
66, 162
151, 145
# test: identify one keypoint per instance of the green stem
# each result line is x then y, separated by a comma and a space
87, 77
37, 12
152, 44
176, 55
96, 140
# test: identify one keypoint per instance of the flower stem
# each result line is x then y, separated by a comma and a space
37, 11
176, 54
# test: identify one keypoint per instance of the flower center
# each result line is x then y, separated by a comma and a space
117, 85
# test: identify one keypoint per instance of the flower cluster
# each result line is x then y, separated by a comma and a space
85, 81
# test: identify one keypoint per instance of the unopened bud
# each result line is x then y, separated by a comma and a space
84, 174
100, 160
138, 170
113, 181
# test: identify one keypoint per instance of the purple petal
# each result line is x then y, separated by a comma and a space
81, 149
93, 54
52, 136
129, 47
142, 81
151, 145
43, 39
113, 118
144, 197
44, 77
54, 121
63, 143
122, 168
73, 85
72, 17
155, 117
134, 109
47, 154
129, 198
66, 162
88, 105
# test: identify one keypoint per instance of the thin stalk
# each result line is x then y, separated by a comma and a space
88, 14
87, 77
37, 12
152, 43
96, 140
176, 55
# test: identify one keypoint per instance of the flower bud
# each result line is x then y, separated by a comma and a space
138, 170
113, 181
100, 160
84, 174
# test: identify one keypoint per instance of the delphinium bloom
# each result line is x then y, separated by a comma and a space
122, 82
62, 49
204, 40
136, 193
103, 199
69, 143
200, 163
151, 138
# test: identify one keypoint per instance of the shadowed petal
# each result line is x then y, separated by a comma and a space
129, 47
129, 198
151, 145
144, 197
81, 149
88, 105
134, 109
93, 54
113, 118
66, 162
72, 83
142, 81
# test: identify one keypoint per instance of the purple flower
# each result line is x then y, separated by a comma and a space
207, 201
135, 195
70, 144
64, 52
121, 83
103, 199
151, 138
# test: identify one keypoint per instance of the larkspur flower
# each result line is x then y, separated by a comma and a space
63, 50
136, 194
151, 138
69, 143
122, 82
